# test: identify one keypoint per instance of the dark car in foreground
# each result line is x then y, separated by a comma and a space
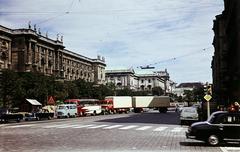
221, 126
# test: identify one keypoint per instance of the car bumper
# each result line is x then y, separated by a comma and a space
189, 135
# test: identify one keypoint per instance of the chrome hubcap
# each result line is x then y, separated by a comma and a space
213, 140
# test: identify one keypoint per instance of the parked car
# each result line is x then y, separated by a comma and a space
221, 126
188, 115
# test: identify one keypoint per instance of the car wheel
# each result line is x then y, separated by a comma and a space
213, 140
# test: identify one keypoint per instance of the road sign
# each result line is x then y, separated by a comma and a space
51, 100
208, 97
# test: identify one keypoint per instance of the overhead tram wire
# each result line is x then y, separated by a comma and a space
175, 58
61, 14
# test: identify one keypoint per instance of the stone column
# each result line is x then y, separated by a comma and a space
46, 64
39, 56
29, 60
9, 53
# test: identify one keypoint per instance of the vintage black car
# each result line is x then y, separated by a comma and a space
221, 126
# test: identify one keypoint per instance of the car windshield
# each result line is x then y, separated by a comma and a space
61, 107
192, 110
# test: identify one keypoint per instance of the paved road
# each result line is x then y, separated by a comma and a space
150, 131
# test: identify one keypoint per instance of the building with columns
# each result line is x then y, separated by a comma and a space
139, 82
26, 50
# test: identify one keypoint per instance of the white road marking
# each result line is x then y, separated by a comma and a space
83, 126
226, 149
128, 127
100, 126
114, 126
67, 126
19, 126
144, 128
177, 129
2, 125
55, 126
160, 128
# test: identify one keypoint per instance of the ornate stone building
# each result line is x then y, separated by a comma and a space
26, 50
226, 63
128, 78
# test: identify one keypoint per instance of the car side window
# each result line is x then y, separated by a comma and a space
231, 119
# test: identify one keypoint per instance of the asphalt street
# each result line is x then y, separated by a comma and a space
150, 131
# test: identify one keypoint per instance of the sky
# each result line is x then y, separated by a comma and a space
175, 35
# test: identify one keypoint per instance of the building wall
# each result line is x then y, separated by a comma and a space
127, 78
26, 50
225, 64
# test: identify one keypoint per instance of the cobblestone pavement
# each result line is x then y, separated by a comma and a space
127, 132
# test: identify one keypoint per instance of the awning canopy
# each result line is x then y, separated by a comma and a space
34, 102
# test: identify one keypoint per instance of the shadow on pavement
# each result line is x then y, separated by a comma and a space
198, 143
171, 118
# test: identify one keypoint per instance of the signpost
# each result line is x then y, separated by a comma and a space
208, 97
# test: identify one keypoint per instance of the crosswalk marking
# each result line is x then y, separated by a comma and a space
128, 127
144, 128
19, 126
114, 126
160, 128
233, 149
100, 126
103, 126
177, 129
54, 126
68, 126
83, 126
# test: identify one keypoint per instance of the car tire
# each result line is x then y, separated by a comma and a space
213, 140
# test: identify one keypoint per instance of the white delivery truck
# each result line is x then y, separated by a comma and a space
120, 104
157, 102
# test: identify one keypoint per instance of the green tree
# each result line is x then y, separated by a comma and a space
9, 83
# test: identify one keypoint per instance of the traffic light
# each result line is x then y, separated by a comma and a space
208, 89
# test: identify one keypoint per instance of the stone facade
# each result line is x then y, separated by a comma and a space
129, 79
26, 50
122, 78
225, 63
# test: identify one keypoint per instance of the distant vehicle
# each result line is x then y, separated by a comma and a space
66, 110
6, 115
221, 126
86, 106
119, 104
160, 103
188, 115
179, 107
42, 114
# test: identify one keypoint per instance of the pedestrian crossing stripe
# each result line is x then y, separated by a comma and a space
20, 126
177, 129
114, 126
128, 127
160, 128
100, 126
104, 126
144, 128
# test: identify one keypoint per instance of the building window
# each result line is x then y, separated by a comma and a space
142, 81
149, 80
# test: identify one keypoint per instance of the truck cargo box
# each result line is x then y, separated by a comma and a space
120, 101
151, 101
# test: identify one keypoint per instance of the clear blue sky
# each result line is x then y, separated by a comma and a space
168, 34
